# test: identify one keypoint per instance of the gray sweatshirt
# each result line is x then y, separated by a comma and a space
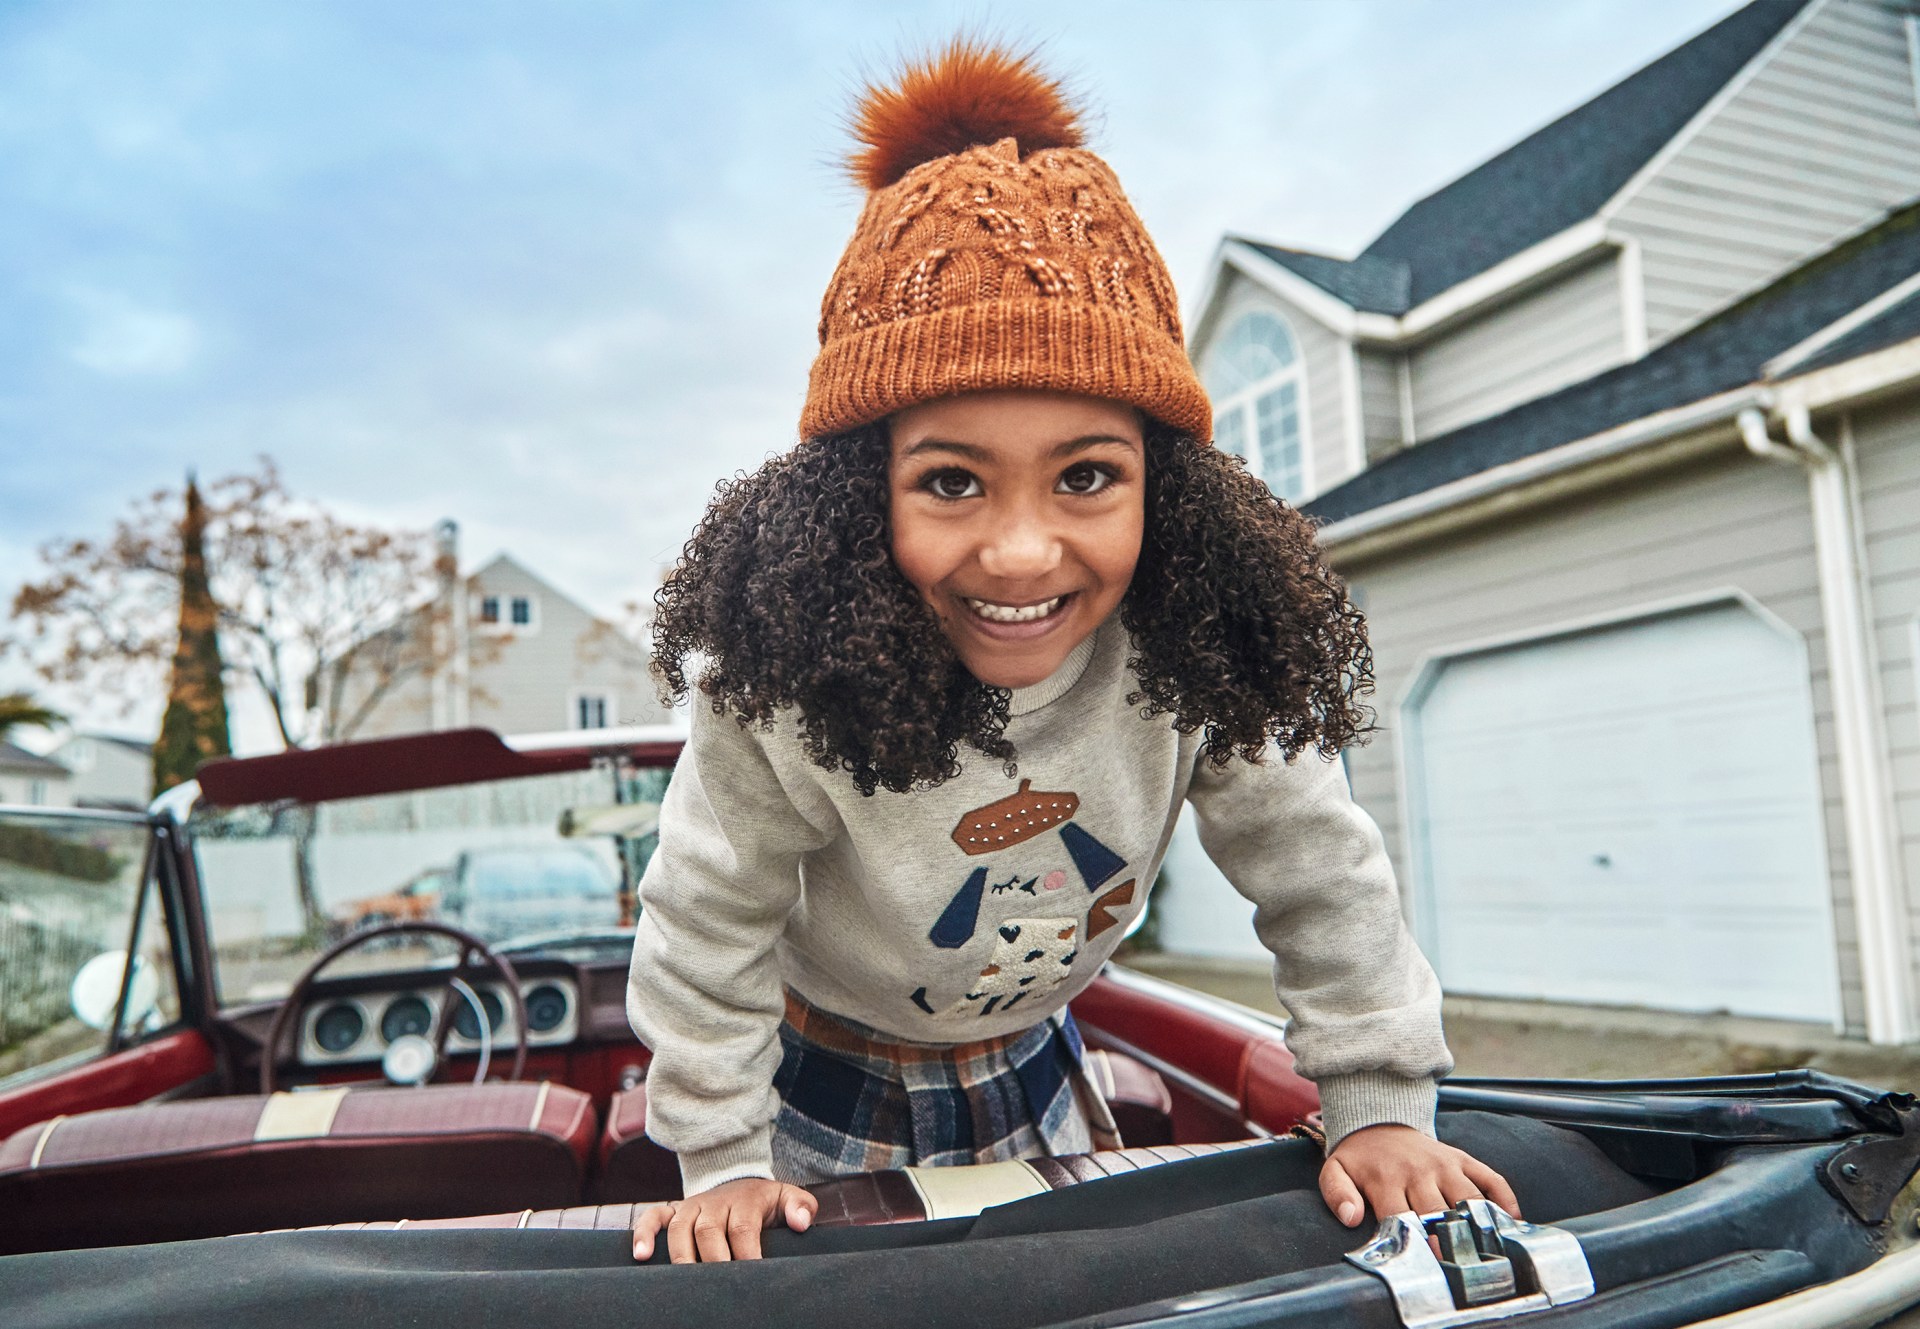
980, 907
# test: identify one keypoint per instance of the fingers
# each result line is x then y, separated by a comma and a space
798, 1208
680, 1242
646, 1225
1341, 1195
1492, 1185
710, 1237
743, 1232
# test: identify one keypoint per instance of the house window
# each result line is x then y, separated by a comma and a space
522, 611
590, 710
36, 792
489, 609
1256, 378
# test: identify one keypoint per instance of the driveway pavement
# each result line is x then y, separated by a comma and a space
1528, 1038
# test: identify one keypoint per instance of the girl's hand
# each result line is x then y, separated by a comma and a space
1397, 1168
724, 1223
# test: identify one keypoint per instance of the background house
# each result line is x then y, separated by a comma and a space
107, 771
31, 779
500, 649
1617, 441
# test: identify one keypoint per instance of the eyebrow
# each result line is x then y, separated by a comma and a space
974, 452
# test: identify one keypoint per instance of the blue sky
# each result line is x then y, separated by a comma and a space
552, 268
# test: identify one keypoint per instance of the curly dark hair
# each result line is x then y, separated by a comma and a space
789, 594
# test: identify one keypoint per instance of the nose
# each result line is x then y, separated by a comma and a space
1022, 548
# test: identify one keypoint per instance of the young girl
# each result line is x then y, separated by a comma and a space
965, 653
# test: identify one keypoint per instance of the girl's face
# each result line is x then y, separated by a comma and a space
1018, 516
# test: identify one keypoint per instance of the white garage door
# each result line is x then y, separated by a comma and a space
1628, 816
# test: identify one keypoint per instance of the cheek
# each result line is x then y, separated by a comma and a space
918, 551
1116, 551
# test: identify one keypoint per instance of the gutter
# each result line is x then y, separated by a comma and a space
1866, 783
1650, 440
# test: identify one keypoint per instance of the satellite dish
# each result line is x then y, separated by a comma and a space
96, 990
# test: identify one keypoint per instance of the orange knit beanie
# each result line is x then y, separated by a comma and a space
993, 252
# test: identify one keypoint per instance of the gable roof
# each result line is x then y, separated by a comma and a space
1728, 351
1554, 178
16, 758
1891, 326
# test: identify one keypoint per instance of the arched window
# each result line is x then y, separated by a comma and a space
1254, 374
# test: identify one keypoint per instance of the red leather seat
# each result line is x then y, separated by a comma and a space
208, 1167
633, 1168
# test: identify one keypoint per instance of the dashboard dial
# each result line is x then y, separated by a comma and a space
546, 1008
463, 1021
406, 1015
339, 1028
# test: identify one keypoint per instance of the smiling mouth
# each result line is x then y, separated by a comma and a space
993, 612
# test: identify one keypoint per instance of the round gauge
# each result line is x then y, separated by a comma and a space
405, 1015
463, 1021
546, 1008
339, 1028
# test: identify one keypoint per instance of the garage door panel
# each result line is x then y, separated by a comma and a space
1628, 816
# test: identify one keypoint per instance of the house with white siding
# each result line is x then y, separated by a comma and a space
108, 771
500, 648
1616, 439
31, 779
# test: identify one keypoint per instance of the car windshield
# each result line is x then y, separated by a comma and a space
547, 858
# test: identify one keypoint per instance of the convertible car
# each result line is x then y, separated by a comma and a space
217, 1110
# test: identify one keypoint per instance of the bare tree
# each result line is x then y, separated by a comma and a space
299, 591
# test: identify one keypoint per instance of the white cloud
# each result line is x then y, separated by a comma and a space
119, 337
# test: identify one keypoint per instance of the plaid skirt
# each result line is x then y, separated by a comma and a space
853, 1100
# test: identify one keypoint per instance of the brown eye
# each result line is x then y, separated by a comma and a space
1086, 478
952, 484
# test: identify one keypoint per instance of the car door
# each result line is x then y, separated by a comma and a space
99, 1006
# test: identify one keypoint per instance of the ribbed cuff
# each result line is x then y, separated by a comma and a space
749, 1156
1375, 1098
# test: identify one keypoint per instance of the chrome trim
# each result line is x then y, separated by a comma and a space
116, 815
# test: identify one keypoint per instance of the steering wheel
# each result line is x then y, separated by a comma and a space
469, 944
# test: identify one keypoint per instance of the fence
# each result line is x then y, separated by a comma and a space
37, 965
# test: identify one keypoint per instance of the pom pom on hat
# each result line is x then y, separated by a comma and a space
969, 94
993, 251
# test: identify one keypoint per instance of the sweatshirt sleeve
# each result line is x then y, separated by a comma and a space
1363, 1003
704, 992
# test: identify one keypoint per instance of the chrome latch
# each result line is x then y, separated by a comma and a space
1489, 1265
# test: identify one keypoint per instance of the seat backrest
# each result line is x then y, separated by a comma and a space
207, 1167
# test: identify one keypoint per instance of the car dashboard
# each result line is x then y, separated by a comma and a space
354, 1021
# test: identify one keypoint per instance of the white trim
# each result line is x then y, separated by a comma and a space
1325, 308
1408, 434
571, 740
1913, 57
1636, 434
1567, 249
1840, 327
1855, 381
1875, 1295
1247, 400
610, 705
1633, 300
540, 1104
1433, 663
1853, 682
40, 1145
1356, 414
1732, 88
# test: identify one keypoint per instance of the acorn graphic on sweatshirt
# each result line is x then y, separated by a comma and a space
1033, 952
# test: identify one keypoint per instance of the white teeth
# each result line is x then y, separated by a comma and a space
994, 613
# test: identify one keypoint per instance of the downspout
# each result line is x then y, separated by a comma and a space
1866, 793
